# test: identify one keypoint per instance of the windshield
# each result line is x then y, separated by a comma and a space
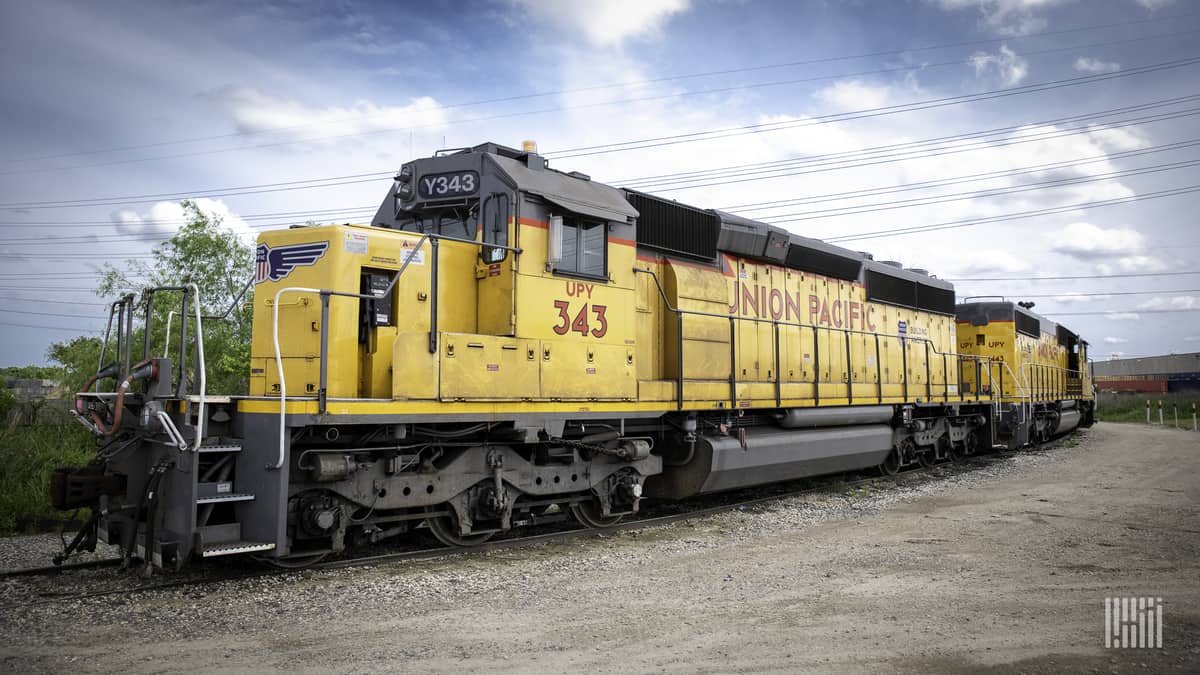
458, 222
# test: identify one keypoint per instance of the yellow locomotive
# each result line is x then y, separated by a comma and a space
504, 342
1035, 369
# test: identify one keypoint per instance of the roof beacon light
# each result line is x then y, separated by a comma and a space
529, 146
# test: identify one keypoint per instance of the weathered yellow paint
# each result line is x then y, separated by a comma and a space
1019, 366
515, 337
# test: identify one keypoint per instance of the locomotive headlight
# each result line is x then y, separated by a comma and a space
406, 173
404, 190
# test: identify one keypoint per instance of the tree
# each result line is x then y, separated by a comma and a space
205, 253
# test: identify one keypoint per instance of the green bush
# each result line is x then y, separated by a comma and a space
29, 454
8, 403
1112, 407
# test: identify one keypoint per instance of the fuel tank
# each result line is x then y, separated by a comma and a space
771, 456
1067, 421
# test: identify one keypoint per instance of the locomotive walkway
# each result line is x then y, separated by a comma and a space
1006, 568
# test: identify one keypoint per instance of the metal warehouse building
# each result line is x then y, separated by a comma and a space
1150, 374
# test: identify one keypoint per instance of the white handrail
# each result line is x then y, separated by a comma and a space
203, 374
279, 365
167, 340
172, 430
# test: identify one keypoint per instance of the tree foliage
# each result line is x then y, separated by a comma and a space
203, 252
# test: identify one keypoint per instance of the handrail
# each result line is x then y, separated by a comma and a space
929, 346
325, 295
1029, 366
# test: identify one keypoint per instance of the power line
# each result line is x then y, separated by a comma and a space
1037, 87
296, 185
1109, 312
65, 316
968, 178
646, 181
729, 71
8, 298
971, 194
1070, 294
147, 237
1086, 276
895, 157
181, 221
657, 182
971, 222
606, 104
62, 328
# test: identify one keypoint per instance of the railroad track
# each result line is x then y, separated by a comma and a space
132, 584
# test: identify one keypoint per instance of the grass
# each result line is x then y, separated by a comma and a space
1132, 407
29, 454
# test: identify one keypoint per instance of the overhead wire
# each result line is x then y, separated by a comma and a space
928, 104
971, 222
658, 80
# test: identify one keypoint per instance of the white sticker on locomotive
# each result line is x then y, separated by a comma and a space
355, 242
412, 257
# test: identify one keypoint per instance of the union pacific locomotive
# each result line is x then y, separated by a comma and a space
505, 341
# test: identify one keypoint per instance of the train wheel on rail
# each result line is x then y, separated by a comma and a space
445, 529
891, 463
969, 446
591, 513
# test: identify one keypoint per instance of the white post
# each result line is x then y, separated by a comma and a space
1160, 415
1147, 411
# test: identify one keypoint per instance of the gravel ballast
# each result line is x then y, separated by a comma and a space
1005, 565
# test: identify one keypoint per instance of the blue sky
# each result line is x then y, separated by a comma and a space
107, 101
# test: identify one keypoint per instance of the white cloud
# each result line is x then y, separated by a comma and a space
1117, 139
1192, 338
1005, 17
607, 23
1115, 340
1123, 316
1086, 241
1086, 64
1133, 264
255, 111
856, 95
1154, 5
1005, 63
1177, 302
1071, 298
164, 218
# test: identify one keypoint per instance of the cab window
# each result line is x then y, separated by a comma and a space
584, 248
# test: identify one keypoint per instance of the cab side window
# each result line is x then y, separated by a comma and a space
584, 248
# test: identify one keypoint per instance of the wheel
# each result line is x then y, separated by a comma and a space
590, 513
970, 444
926, 459
445, 529
891, 463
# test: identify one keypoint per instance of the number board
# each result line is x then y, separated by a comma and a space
443, 185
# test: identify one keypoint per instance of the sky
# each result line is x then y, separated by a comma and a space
989, 141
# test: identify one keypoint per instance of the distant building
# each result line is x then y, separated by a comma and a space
1149, 374
27, 389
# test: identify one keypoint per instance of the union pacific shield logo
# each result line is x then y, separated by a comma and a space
276, 263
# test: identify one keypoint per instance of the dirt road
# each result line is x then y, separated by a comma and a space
1004, 568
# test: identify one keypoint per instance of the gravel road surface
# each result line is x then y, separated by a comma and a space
999, 569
